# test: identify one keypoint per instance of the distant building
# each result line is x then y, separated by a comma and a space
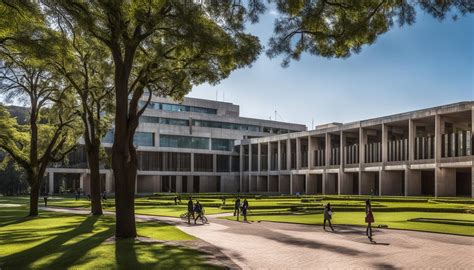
204, 146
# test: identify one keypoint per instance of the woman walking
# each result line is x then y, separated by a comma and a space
327, 216
369, 219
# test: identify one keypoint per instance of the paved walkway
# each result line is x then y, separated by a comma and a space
269, 245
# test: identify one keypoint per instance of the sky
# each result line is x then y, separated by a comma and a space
429, 63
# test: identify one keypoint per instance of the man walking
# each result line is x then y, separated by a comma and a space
237, 208
190, 209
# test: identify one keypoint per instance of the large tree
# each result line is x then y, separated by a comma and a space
51, 131
159, 47
85, 64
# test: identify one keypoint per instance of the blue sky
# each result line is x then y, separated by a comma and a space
427, 64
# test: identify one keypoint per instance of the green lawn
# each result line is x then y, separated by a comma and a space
454, 223
59, 241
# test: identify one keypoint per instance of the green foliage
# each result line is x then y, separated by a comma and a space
339, 28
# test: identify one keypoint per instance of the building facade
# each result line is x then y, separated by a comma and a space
205, 146
182, 147
424, 152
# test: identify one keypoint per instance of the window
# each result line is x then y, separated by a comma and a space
149, 119
144, 139
140, 138
176, 107
224, 125
184, 142
222, 144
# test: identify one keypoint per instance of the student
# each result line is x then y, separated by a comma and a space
104, 196
369, 219
190, 209
245, 208
327, 216
45, 200
175, 200
237, 208
223, 200
198, 210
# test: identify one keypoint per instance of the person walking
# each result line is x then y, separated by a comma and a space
245, 208
237, 208
369, 219
190, 209
327, 216
197, 209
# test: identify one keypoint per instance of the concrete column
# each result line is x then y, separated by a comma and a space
81, 181
109, 182
192, 162
411, 140
269, 157
241, 167
279, 156
380, 182
179, 183
324, 179
439, 130
214, 163
328, 149
288, 154
310, 153
298, 153
250, 158
291, 184
384, 143
259, 156
51, 183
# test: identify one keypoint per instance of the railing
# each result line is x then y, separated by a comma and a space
424, 147
457, 144
319, 158
397, 150
335, 158
351, 153
373, 152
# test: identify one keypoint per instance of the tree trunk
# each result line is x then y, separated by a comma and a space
123, 164
95, 183
34, 196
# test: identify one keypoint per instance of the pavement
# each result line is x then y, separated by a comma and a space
268, 245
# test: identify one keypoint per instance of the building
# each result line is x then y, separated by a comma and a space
424, 152
182, 147
204, 146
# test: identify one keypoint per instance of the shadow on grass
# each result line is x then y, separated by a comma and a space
69, 253
133, 254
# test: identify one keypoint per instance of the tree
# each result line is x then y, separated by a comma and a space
335, 28
160, 47
86, 65
51, 132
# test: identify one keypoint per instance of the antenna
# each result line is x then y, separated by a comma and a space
312, 123
275, 115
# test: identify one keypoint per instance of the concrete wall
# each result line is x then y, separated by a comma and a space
347, 181
330, 183
367, 182
412, 182
284, 184
262, 183
273, 183
311, 184
298, 184
229, 183
148, 184
392, 183
445, 182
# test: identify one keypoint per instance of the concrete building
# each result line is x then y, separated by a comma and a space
182, 147
204, 146
424, 152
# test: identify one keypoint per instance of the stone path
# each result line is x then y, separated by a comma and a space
268, 245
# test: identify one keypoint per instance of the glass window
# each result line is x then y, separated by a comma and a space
184, 142
144, 139
222, 144
140, 138
149, 119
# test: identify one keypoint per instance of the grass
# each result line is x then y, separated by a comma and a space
59, 241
